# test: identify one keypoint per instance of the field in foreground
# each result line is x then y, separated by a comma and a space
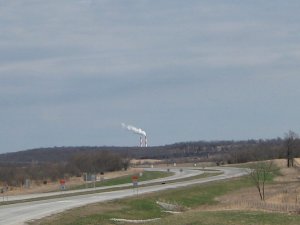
198, 205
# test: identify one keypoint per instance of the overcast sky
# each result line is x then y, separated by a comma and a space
71, 71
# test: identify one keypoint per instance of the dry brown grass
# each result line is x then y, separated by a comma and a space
38, 187
284, 190
145, 161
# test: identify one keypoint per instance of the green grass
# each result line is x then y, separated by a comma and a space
203, 194
147, 175
131, 208
137, 208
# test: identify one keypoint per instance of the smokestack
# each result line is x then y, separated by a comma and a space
146, 144
137, 131
141, 141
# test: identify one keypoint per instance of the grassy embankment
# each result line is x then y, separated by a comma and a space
190, 198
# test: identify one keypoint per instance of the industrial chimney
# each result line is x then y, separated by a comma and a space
141, 141
146, 144
142, 133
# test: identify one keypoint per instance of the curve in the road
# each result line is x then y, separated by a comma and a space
16, 214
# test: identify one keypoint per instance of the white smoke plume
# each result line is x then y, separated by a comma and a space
134, 129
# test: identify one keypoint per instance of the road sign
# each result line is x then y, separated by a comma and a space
62, 184
135, 180
62, 181
135, 183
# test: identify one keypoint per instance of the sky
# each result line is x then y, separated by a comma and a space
71, 71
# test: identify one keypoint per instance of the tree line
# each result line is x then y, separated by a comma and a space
58, 162
96, 162
227, 151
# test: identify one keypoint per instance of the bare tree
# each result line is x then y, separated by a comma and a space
259, 175
290, 141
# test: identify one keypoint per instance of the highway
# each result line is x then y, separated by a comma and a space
18, 214
188, 172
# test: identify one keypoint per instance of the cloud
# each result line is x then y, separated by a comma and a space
66, 64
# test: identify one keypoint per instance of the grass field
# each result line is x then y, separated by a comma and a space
145, 207
191, 199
